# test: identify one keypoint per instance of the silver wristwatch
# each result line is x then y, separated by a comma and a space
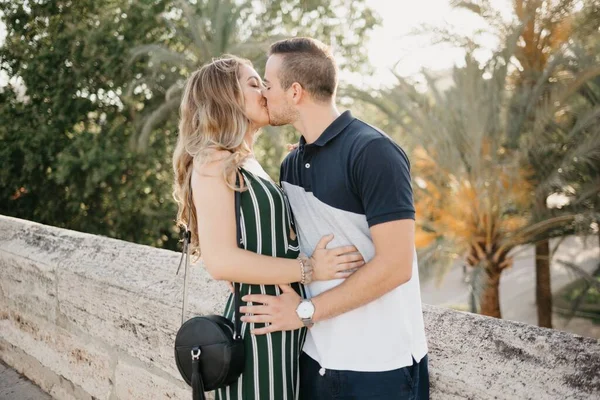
305, 311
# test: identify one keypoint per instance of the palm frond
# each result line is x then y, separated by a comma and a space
157, 116
208, 29
538, 230
175, 90
159, 54
528, 99
436, 260
252, 48
468, 5
195, 27
581, 273
587, 193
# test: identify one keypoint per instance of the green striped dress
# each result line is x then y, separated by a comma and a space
271, 371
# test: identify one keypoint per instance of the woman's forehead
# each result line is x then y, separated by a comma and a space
248, 72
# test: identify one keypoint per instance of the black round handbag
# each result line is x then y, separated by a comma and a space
209, 350
209, 353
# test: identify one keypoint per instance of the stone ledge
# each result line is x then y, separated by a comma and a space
103, 309
15, 386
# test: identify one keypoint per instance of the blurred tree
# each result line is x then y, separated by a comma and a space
78, 94
547, 27
64, 154
475, 194
211, 28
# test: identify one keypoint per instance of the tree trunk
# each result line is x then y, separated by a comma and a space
543, 288
490, 297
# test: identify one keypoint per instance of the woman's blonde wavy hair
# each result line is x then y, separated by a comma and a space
212, 117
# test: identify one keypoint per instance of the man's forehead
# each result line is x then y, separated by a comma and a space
272, 66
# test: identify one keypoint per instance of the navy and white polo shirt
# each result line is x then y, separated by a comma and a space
352, 178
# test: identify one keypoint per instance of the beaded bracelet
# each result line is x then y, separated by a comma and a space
306, 269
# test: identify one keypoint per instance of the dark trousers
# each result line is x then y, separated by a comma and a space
408, 383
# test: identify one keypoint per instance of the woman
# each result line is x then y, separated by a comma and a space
221, 111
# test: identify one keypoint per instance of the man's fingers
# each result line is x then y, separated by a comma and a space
343, 275
324, 241
257, 318
265, 330
254, 310
286, 289
231, 288
259, 298
348, 258
353, 266
345, 249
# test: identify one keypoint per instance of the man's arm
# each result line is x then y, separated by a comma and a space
381, 178
390, 268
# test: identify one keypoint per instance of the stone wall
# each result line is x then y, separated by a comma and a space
88, 317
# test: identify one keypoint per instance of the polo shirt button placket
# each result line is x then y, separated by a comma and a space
306, 172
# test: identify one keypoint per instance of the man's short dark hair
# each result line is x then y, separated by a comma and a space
308, 62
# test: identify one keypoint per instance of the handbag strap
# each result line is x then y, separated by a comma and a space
237, 323
237, 333
197, 383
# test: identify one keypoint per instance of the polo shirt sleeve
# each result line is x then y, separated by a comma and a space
281, 169
282, 177
381, 174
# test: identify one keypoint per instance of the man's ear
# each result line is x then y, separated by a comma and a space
297, 92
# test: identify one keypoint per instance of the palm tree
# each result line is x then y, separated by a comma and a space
470, 191
475, 194
548, 25
201, 31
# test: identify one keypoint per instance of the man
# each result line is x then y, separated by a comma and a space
366, 338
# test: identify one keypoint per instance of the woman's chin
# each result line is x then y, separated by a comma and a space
261, 122
259, 119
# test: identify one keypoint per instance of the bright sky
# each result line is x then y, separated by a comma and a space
391, 42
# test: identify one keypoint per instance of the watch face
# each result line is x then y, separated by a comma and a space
306, 309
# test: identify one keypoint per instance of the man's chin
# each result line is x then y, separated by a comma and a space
277, 122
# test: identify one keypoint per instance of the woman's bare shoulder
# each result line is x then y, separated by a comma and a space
212, 165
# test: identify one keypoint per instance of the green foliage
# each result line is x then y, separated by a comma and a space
210, 28
96, 72
65, 159
485, 130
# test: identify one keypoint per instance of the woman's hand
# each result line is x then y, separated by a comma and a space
338, 263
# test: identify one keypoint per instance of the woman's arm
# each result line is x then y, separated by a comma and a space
224, 260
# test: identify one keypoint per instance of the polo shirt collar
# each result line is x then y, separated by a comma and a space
336, 127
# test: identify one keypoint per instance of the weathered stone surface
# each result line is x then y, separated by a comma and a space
477, 357
84, 315
138, 383
86, 364
29, 284
15, 386
57, 386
